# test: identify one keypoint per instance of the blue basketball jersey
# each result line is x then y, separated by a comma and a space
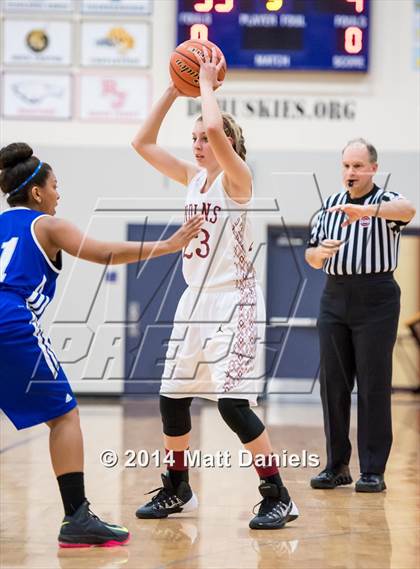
24, 266
33, 386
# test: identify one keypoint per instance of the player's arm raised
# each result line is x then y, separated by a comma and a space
145, 142
56, 234
238, 179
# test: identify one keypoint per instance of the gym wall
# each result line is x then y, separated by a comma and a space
100, 174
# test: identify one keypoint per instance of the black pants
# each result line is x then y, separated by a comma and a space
357, 329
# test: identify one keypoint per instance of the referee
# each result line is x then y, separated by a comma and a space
356, 241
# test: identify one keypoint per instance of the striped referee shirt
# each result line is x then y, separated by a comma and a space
370, 244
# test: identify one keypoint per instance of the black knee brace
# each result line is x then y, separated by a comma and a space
176, 417
238, 415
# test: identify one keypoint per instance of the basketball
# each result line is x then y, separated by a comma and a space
184, 68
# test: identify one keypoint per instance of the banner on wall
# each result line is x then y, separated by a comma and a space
113, 97
116, 6
31, 41
284, 108
36, 96
38, 5
118, 44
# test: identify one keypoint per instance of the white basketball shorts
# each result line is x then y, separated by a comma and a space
217, 344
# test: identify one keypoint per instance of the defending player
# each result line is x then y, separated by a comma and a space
219, 353
33, 386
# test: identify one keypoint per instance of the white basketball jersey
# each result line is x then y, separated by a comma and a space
223, 251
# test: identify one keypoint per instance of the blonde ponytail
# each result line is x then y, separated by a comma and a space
233, 131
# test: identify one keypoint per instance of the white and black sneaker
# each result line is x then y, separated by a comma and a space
276, 508
168, 500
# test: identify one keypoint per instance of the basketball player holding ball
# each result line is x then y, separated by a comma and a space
216, 349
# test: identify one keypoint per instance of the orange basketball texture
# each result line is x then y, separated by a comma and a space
184, 68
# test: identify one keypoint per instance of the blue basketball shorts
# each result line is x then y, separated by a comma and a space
33, 386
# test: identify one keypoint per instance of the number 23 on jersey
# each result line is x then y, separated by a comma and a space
204, 249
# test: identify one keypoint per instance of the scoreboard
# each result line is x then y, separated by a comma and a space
311, 35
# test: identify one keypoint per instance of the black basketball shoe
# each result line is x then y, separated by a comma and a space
370, 483
168, 500
276, 508
84, 529
329, 478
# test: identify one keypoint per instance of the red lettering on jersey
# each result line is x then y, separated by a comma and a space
205, 209
216, 209
210, 213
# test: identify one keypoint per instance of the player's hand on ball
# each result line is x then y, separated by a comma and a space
185, 66
209, 68
183, 236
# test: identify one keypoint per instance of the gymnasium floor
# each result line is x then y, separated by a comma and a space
337, 529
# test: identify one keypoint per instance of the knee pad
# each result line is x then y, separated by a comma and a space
240, 418
176, 416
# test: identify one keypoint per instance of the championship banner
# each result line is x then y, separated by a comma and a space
41, 41
39, 5
36, 96
136, 7
109, 97
118, 44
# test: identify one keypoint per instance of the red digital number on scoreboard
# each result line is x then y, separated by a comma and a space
353, 40
208, 5
353, 36
359, 5
199, 32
